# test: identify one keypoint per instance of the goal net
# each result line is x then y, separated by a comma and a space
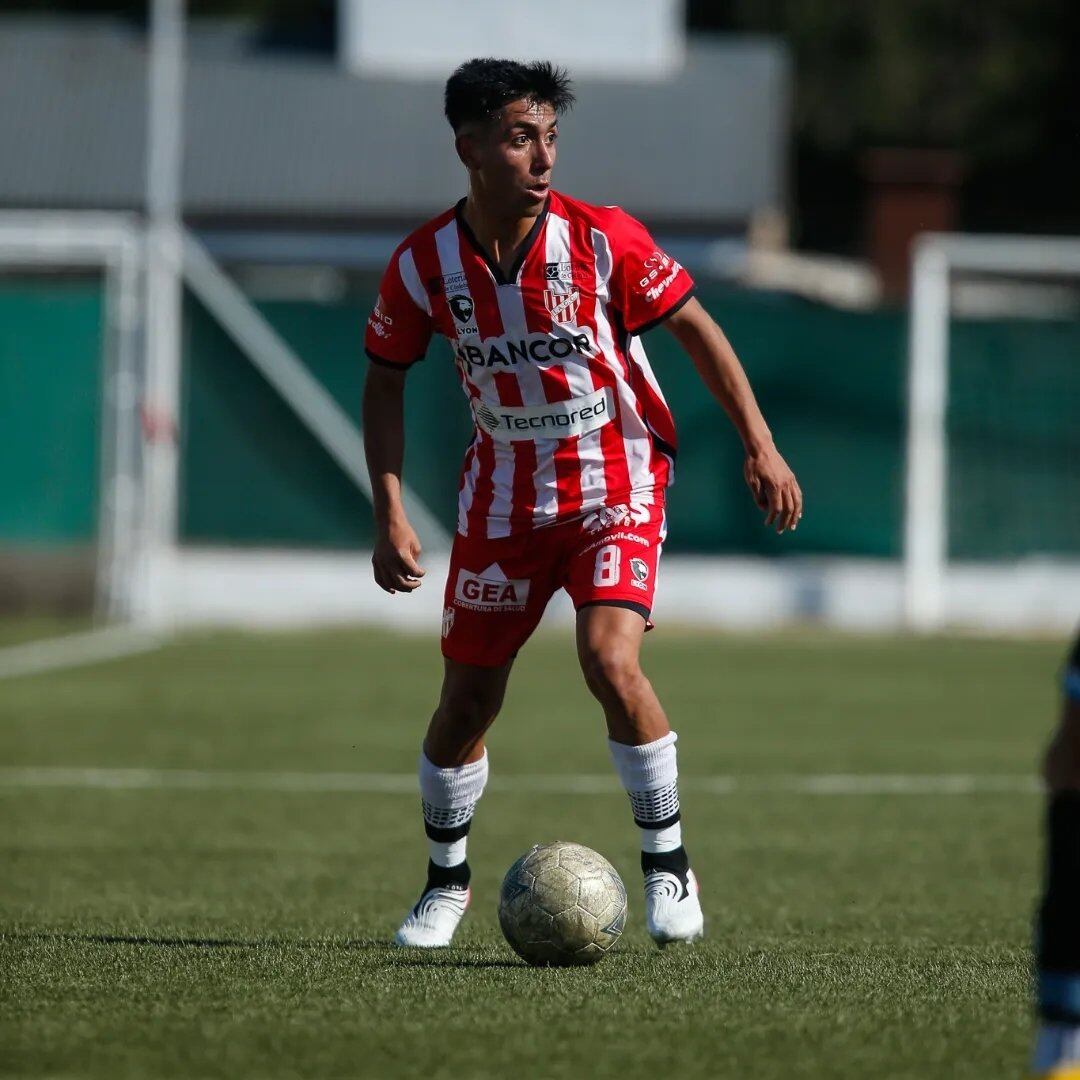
992, 530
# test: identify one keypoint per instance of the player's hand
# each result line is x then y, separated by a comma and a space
774, 487
394, 560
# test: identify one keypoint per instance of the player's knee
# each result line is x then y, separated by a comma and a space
612, 671
468, 708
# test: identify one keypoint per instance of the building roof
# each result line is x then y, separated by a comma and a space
274, 136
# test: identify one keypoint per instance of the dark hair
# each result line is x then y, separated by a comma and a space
481, 87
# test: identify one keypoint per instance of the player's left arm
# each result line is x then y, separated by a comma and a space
771, 481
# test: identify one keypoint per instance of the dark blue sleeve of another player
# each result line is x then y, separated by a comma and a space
1072, 672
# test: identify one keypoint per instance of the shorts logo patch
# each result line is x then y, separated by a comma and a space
447, 621
491, 590
608, 517
640, 568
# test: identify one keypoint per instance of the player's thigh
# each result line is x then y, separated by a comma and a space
1061, 765
496, 592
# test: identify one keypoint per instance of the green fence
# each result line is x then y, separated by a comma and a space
50, 408
830, 382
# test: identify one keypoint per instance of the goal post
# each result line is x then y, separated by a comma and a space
139, 563
109, 243
938, 258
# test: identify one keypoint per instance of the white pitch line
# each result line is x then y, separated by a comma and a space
75, 650
13, 778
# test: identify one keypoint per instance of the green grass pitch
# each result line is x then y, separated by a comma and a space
228, 932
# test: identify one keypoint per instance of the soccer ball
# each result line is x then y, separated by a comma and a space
562, 904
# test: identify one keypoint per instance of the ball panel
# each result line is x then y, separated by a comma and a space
556, 889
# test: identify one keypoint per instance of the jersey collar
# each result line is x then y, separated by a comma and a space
526, 246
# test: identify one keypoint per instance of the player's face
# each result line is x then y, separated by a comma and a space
511, 162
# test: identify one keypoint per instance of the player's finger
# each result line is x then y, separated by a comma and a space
787, 514
380, 575
798, 504
412, 567
773, 503
405, 583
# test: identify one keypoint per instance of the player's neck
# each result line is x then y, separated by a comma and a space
500, 235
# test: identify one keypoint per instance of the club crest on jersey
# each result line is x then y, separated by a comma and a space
462, 307
447, 621
640, 568
563, 306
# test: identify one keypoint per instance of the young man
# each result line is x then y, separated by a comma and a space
1057, 949
542, 299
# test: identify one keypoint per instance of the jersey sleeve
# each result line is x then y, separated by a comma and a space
1072, 672
399, 328
647, 284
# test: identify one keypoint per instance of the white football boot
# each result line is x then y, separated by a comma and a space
434, 918
672, 908
1057, 1052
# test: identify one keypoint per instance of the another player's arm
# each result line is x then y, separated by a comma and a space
397, 546
772, 483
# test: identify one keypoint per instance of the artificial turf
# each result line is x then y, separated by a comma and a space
229, 931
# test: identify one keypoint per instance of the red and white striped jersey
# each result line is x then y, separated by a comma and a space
568, 414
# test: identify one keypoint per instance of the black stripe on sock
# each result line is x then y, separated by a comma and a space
663, 823
676, 862
448, 877
447, 836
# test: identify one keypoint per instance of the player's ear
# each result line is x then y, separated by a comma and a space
465, 144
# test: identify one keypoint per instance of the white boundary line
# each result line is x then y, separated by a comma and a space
19, 779
75, 650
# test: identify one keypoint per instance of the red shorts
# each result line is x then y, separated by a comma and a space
497, 590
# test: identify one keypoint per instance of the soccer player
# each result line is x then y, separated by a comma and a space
543, 299
1057, 948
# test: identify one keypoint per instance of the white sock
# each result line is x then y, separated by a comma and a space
449, 798
657, 841
650, 776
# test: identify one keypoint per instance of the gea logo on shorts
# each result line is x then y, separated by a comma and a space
491, 590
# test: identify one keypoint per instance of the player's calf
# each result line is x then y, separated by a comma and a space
649, 773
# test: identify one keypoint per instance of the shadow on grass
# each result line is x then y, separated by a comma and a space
395, 956
374, 944
417, 958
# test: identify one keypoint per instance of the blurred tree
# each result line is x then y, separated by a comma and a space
992, 79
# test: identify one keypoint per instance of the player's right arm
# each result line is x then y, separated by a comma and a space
397, 547
398, 331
